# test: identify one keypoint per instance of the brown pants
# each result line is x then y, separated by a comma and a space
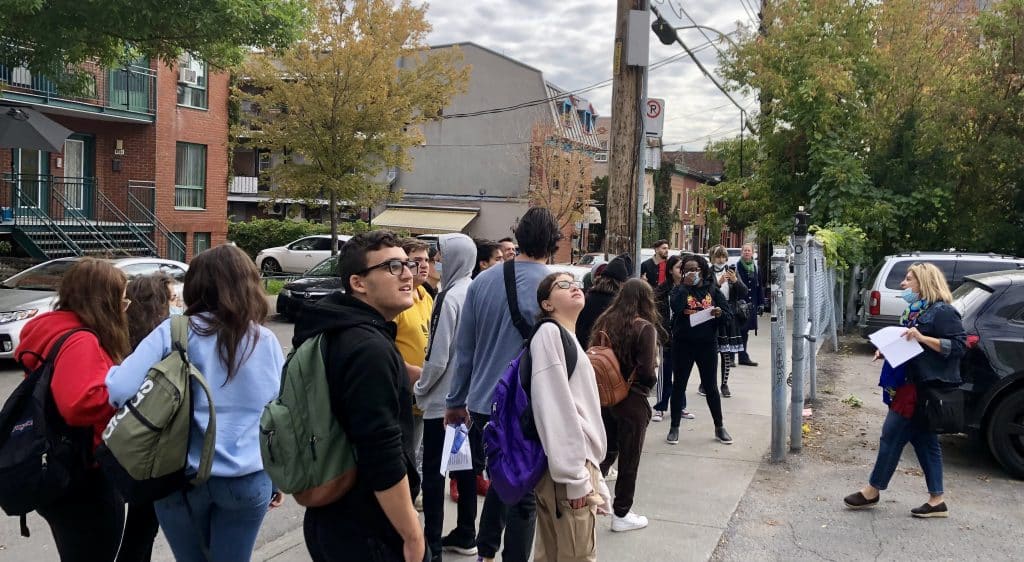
565, 534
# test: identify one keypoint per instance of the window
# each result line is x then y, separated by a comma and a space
174, 251
965, 267
190, 176
191, 82
899, 271
200, 242
326, 268
679, 200
176, 273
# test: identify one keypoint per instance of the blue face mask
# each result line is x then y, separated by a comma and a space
437, 266
177, 310
910, 296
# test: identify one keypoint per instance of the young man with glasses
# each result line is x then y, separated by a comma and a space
486, 341
371, 397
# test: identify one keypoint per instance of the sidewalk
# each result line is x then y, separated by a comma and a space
688, 491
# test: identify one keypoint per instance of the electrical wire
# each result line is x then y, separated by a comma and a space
752, 14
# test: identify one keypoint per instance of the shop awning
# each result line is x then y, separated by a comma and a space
420, 221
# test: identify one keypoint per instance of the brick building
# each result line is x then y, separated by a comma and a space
144, 172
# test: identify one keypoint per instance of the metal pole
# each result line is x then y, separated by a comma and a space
799, 329
777, 274
641, 164
813, 273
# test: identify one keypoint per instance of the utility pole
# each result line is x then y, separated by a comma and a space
764, 245
796, 402
629, 65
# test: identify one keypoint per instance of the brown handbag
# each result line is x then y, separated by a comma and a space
612, 387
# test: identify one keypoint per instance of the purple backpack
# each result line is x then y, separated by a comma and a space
515, 457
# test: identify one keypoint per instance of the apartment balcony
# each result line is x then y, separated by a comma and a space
114, 94
244, 185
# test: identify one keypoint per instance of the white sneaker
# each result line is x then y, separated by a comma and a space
630, 522
613, 473
658, 416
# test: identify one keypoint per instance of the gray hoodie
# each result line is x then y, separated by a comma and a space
458, 254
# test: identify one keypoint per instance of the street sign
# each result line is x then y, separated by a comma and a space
654, 117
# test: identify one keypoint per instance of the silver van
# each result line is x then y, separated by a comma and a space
882, 299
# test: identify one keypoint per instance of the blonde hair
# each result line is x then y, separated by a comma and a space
718, 251
931, 282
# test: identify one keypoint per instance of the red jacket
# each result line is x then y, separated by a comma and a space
80, 372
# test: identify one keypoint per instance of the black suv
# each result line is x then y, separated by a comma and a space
320, 281
992, 305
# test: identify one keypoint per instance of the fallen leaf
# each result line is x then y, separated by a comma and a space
772, 522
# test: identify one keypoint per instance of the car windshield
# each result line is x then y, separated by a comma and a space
969, 296
326, 268
43, 277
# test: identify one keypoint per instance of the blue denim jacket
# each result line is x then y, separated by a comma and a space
941, 321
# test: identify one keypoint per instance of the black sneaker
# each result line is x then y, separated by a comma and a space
673, 436
722, 435
857, 500
725, 391
928, 510
700, 390
748, 363
459, 545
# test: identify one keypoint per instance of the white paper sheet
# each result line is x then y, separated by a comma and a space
896, 349
698, 318
455, 454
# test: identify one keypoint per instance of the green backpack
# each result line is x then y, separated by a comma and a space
305, 450
145, 445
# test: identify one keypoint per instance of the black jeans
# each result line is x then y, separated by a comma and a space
140, 530
345, 541
631, 416
87, 522
705, 355
517, 521
744, 355
666, 381
433, 489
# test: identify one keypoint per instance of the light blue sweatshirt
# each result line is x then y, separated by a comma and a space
238, 404
487, 341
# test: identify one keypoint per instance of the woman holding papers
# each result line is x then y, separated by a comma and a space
933, 323
697, 308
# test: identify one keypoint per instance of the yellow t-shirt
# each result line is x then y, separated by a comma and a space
414, 329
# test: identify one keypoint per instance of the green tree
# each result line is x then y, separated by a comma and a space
346, 102
49, 36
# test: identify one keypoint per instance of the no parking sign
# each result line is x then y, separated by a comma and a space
654, 116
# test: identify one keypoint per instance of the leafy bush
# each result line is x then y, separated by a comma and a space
845, 245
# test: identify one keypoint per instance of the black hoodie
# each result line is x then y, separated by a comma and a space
371, 397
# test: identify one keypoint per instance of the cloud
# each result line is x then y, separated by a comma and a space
571, 42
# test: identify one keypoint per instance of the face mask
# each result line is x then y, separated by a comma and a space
691, 277
910, 296
437, 266
719, 268
177, 310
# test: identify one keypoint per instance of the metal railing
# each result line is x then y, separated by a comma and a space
31, 210
131, 88
141, 208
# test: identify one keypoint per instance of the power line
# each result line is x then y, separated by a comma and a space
751, 14
700, 28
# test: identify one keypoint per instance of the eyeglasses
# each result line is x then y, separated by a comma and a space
394, 266
568, 285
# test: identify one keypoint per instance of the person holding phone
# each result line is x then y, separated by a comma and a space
696, 343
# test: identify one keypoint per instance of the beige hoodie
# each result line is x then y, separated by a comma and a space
568, 413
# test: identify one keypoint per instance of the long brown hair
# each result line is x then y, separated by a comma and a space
225, 283
151, 298
93, 289
634, 300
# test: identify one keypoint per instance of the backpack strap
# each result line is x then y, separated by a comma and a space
512, 295
179, 342
526, 363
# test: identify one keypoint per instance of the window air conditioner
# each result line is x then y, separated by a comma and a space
188, 76
601, 157
276, 209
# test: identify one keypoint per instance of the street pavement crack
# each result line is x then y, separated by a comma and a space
796, 543
874, 531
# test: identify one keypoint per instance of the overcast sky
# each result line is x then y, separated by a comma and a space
570, 41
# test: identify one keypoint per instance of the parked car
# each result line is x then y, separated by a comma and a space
881, 300
592, 259
34, 291
315, 284
298, 256
992, 306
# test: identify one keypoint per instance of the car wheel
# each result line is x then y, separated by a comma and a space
270, 265
1005, 434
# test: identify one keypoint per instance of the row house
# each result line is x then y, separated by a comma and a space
144, 172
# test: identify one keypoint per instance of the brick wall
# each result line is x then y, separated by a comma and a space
207, 127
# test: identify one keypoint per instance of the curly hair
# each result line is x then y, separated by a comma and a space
151, 299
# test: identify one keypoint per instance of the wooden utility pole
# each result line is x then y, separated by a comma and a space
623, 187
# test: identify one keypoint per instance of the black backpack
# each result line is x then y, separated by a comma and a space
40, 455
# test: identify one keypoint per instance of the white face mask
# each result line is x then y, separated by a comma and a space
177, 310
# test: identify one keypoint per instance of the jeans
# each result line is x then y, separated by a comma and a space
897, 431
87, 521
666, 381
684, 355
346, 541
518, 521
632, 416
433, 490
227, 512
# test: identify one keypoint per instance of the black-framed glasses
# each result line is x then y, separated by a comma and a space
393, 266
568, 285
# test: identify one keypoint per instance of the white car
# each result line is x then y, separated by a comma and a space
298, 256
34, 291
